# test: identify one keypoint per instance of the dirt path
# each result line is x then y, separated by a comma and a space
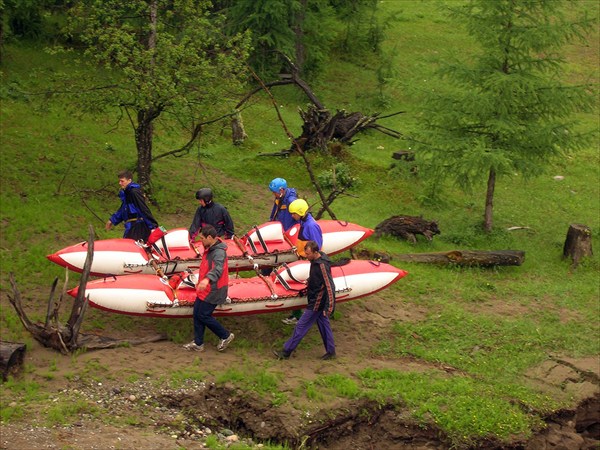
135, 409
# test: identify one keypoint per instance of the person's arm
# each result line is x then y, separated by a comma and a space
328, 285
274, 211
118, 217
196, 225
228, 223
312, 232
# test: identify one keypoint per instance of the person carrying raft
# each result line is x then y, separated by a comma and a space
284, 195
309, 231
211, 213
133, 212
320, 307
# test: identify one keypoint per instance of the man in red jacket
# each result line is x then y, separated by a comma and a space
211, 291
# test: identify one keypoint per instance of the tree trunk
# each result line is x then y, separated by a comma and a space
489, 201
299, 34
238, 134
480, 258
12, 355
578, 243
143, 142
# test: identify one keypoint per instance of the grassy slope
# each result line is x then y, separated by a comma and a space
53, 165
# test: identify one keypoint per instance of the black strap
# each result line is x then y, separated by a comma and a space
289, 272
158, 250
164, 243
260, 239
285, 284
252, 246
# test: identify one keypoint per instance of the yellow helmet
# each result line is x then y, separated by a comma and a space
298, 206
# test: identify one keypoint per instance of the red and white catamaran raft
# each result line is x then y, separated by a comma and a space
264, 245
153, 296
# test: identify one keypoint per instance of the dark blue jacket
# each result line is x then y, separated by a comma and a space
280, 209
133, 209
309, 231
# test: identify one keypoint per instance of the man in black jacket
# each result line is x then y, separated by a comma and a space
211, 213
320, 291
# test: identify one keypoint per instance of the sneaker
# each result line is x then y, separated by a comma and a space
327, 356
281, 354
225, 342
193, 347
290, 321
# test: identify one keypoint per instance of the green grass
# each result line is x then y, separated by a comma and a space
465, 408
490, 326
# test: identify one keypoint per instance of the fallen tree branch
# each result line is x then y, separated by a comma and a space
66, 339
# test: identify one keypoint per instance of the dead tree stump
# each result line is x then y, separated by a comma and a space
12, 355
407, 227
67, 338
578, 243
404, 155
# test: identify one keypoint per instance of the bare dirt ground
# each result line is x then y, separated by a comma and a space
134, 409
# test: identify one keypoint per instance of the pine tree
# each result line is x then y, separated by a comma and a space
506, 109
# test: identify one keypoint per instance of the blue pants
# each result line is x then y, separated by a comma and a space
305, 323
203, 318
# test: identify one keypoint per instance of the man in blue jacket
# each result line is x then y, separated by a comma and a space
284, 195
320, 291
133, 212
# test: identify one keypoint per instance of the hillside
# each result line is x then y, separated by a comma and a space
473, 357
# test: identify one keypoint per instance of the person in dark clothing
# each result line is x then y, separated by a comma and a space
320, 291
134, 213
211, 291
284, 195
211, 213
309, 231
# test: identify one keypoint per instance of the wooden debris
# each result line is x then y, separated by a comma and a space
578, 243
67, 338
407, 227
468, 258
12, 355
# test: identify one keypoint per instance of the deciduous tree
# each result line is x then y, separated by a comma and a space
162, 57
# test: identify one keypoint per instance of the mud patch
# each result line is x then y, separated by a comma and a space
366, 424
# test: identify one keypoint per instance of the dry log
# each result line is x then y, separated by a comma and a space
468, 258
67, 339
407, 227
12, 355
578, 243
404, 155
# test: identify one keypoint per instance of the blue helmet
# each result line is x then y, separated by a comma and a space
276, 184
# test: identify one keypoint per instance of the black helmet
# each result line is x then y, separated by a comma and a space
204, 194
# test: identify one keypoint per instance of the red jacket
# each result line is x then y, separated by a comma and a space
214, 267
